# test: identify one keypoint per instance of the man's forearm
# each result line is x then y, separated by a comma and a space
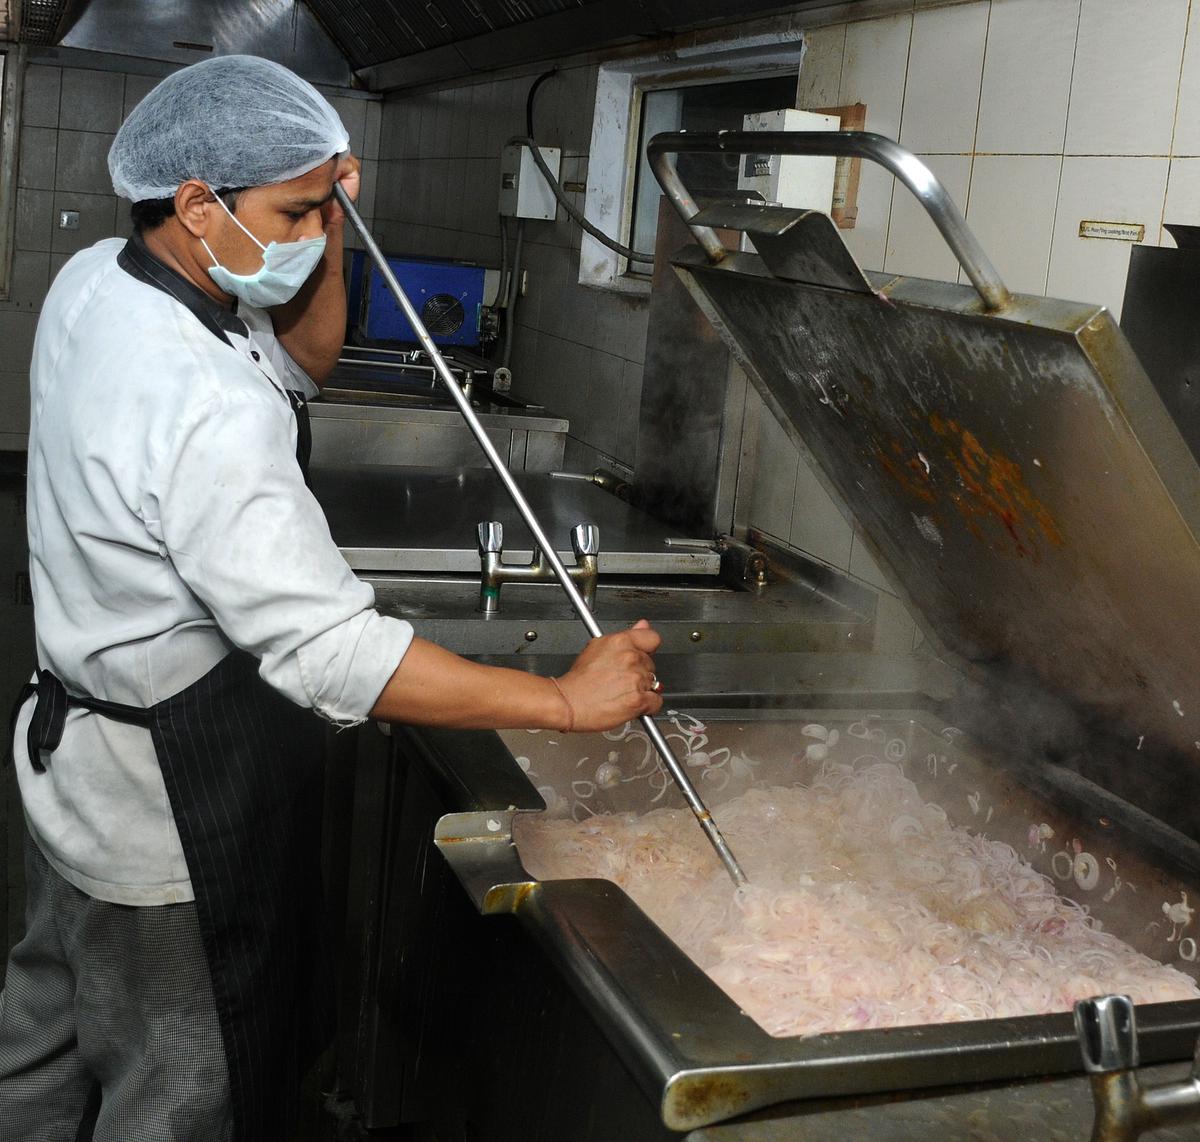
434, 687
312, 326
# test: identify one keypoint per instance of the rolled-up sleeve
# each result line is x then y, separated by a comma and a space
250, 541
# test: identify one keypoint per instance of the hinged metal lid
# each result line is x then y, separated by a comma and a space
1017, 477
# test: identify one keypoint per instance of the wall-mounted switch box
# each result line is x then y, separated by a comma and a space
802, 181
524, 193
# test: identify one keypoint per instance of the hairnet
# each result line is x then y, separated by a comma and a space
229, 121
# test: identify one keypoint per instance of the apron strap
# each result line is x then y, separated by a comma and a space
303, 430
50, 714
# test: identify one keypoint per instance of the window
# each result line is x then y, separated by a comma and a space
703, 108
701, 85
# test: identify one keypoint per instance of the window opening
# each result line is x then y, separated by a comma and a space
698, 108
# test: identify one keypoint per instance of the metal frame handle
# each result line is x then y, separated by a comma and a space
674, 766
840, 144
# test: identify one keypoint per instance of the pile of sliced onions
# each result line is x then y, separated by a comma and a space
865, 908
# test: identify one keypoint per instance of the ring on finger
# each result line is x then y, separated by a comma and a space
655, 685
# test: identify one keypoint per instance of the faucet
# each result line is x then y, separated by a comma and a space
1124, 1107
585, 542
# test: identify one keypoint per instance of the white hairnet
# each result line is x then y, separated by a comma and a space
230, 121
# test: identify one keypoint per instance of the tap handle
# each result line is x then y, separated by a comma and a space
491, 537
585, 539
1107, 1033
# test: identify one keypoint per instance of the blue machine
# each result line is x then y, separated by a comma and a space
447, 295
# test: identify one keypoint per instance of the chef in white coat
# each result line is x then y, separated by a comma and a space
194, 620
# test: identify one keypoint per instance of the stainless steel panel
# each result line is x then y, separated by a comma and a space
1018, 477
412, 519
692, 402
535, 621
423, 432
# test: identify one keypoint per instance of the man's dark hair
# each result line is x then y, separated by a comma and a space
151, 213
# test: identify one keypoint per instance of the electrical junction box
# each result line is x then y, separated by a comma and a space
524, 193
802, 181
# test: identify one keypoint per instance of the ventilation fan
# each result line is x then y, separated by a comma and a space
443, 315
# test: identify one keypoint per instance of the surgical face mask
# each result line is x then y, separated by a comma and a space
286, 267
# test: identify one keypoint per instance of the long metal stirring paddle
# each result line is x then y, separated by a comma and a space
703, 816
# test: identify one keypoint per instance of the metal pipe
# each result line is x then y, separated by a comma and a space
514, 293
841, 144
674, 767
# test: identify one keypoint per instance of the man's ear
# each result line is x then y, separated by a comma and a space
193, 203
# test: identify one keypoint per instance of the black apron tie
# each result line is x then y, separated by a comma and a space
45, 730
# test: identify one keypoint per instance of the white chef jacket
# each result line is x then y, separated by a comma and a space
168, 521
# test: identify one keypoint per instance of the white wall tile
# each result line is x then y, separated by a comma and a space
820, 79
14, 412
353, 114
1127, 69
874, 68
35, 210
36, 157
29, 280
83, 162
773, 487
137, 87
1012, 204
862, 564
1187, 121
945, 69
478, 141
1102, 190
372, 130
914, 246
1183, 196
873, 71
39, 105
818, 527
867, 241
91, 100
629, 415
1027, 76
97, 219
602, 419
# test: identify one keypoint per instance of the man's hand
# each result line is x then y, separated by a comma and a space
608, 684
312, 326
612, 681
349, 174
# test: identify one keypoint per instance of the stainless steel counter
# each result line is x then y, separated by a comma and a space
388, 518
357, 429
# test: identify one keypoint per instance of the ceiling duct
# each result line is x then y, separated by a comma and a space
184, 31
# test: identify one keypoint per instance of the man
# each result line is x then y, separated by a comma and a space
191, 610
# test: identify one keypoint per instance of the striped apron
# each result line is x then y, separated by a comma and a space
243, 768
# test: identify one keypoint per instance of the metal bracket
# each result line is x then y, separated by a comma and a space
797, 245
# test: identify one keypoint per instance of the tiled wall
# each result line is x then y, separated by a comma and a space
1037, 115
69, 117
577, 350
